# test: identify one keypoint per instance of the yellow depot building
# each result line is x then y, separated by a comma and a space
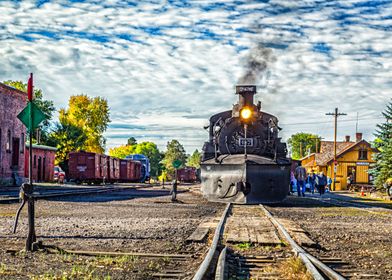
353, 158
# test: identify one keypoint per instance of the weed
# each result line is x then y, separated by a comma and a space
294, 269
244, 245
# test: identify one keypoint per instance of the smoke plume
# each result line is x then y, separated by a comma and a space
256, 64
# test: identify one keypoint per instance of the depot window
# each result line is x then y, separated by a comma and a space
362, 155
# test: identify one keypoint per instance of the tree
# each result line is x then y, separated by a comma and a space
131, 141
46, 107
194, 159
121, 151
92, 115
301, 143
174, 151
149, 149
67, 138
383, 167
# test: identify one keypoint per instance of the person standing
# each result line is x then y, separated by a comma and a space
321, 182
310, 181
329, 181
300, 175
173, 191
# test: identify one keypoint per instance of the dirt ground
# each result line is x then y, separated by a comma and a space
359, 237
141, 220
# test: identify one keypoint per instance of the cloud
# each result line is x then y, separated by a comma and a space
165, 67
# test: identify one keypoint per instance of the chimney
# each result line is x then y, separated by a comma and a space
347, 137
245, 93
358, 136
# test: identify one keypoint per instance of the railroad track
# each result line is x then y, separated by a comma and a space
358, 205
63, 193
54, 194
242, 227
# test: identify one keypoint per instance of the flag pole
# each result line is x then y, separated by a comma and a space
31, 238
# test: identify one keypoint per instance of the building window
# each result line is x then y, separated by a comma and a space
22, 143
8, 144
362, 155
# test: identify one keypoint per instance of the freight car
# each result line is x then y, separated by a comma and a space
145, 169
187, 174
244, 160
130, 170
86, 167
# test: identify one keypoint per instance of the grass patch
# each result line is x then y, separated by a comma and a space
243, 246
346, 212
294, 269
6, 271
7, 214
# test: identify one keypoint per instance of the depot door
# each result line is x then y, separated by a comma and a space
15, 152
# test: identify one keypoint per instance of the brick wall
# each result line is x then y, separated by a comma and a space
43, 163
12, 102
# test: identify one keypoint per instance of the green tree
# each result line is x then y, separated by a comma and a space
194, 159
46, 106
383, 167
67, 138
121, 151
131, 141
92, 115
149, 149
174, 151
301, 143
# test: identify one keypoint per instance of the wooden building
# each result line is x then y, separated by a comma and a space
353, 158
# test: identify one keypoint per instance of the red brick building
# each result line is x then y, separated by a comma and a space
43, 163
12, 135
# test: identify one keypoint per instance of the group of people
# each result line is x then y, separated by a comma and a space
300, 178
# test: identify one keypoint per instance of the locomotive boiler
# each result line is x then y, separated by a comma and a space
244, 160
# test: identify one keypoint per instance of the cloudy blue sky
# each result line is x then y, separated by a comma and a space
166, 66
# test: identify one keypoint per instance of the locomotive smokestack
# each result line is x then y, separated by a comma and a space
245, 93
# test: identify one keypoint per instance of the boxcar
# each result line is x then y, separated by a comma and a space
113, 169
187, 174
130, 170
85, 167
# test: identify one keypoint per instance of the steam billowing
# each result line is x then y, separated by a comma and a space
256, 64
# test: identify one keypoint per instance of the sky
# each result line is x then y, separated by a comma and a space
166, 66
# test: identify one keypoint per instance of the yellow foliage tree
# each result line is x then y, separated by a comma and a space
91, 114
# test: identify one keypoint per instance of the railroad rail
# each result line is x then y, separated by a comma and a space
63, 193
262, 263
358, 205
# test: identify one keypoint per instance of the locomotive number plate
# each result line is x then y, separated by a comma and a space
245, 141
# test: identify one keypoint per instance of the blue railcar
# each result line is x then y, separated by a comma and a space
145, 171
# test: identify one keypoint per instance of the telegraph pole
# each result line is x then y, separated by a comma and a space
336, 114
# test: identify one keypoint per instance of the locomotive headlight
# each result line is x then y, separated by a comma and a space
245, 113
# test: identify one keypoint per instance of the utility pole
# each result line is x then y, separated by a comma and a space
336, 114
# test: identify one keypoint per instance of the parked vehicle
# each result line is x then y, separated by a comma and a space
58, 175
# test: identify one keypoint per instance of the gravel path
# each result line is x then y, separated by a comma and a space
141, 220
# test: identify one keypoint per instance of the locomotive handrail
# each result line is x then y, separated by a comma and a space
201, 271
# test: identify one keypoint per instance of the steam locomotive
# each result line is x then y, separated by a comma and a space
244, 160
